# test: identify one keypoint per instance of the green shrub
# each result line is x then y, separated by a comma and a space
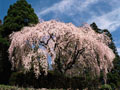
106, 87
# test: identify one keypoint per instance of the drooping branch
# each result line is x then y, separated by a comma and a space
71, 49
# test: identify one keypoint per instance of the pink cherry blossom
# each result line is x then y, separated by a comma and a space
77, 48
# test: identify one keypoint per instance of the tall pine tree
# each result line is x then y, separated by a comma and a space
19, 14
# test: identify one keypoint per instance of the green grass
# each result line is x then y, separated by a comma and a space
6, 87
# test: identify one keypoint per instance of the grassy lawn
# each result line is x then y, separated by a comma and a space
6, 87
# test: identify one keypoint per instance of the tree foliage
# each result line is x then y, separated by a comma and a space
113, 77
106, 32
0, 21
5, 65
73, 52
111, 45
19, 14
95, 28
106, 87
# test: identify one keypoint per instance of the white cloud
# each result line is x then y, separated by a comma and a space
117, 42
118, 49
68, 6
114, 3
83, 5
61, 7
110, 21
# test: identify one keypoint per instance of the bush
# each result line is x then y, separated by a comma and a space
106, 87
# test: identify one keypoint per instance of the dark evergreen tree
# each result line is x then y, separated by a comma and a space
94, 27
5, 65
113, 77
19, 14
111, 45
0, 22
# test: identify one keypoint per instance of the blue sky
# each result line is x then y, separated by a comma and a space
106, 13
